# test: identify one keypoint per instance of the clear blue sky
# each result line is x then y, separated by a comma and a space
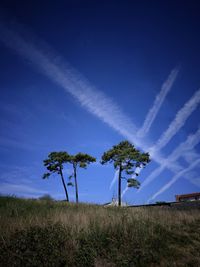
81, 76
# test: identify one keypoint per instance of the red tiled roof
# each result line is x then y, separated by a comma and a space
189, 195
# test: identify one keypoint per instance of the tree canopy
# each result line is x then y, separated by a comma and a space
79, 160
54, 164
126, 158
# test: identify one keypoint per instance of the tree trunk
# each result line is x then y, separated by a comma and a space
119, 186
76, 184
63, 181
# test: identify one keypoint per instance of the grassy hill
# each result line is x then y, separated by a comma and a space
49, 233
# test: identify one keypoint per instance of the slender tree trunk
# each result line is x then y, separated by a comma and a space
119, 186
64, 185
76, 184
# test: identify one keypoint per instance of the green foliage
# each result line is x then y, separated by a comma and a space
46, 197
125, 155
160, 202
38, 246
133, 183
126, 158
54, 162
81, 160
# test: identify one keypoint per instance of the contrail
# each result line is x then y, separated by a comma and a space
195, 180
95, 101
178, 122
193, 177
166, 87
191, 141
173, 128
114, 179
124, 191
175, 178
137, 170
191, 156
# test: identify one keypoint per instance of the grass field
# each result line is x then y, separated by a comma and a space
49, 233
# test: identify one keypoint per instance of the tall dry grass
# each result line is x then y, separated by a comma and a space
20, 213
108, 236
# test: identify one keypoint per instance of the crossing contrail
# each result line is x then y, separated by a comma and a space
50, 64
191, 141
151, 115
137, 170
174, 179
114, 179
124, 191
182, 115
178, 122
88, 96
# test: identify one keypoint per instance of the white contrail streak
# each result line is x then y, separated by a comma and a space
125, 190
186, 146
87, 95
174, 179
191, 156
193, 177
137, 170
95, 101
178, 122
166, 87
114, 179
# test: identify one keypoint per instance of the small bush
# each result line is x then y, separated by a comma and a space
38, 246
123, 245
46, 197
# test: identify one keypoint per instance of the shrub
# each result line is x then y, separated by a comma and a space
38, 246
46, 197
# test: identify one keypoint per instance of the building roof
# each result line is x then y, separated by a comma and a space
189, 195
192, 196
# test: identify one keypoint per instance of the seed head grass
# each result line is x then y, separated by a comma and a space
50, 233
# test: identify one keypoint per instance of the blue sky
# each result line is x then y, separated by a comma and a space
81, 76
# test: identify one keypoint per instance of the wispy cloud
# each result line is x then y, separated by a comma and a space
174, 179
182, 150
191, 156
21, 189
18, 181
50, 64
137, 170
6, 142
124, 191
88, 96
61, 73
151, 115
114, 179
178, 122
192, 140
193, 176
196, 180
